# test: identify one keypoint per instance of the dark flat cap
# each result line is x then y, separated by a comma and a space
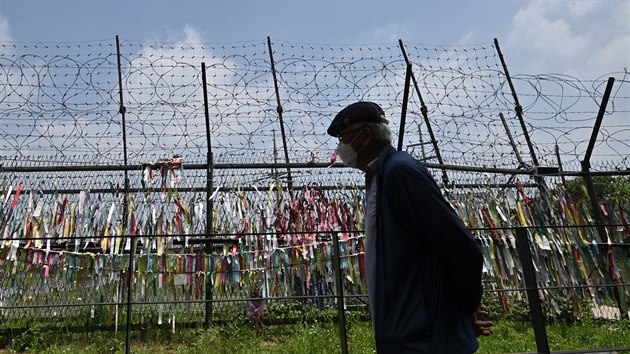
358, 112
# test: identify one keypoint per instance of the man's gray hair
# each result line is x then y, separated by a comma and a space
381, 132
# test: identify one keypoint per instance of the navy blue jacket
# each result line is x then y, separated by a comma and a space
428, 266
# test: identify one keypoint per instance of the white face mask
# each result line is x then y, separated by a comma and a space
347, 154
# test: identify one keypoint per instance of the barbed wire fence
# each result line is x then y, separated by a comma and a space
268, 105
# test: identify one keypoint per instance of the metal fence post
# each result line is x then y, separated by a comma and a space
341, 311
535, 309
425, 115
403, 114
209, 202
280, 110
132, 252
592, 194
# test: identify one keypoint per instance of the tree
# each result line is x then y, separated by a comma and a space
616, 188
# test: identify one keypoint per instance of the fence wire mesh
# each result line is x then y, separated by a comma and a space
62, 103
68, 218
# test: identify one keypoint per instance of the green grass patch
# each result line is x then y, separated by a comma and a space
510, 336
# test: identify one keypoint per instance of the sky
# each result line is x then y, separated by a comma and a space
583, 38
586, 39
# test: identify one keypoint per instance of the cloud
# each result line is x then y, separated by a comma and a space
579, 9
613, 55
467, 37
563, 40
579, 38
540, 28
188, 34
164, 95
166, 112
5, 30
389, 33
5, 36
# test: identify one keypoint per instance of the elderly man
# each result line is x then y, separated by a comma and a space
423, 267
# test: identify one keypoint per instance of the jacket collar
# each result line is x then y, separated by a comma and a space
376, 165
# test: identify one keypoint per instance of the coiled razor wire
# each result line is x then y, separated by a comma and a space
59, 103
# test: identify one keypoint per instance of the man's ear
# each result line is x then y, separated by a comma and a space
368, 136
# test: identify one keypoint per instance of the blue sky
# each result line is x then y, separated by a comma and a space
583, 38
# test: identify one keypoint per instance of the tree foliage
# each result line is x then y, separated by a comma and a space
616, 188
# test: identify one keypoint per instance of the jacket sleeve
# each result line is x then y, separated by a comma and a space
420, 207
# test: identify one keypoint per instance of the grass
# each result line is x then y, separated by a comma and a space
510, 336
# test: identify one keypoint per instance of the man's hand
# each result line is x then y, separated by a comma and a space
482, 328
